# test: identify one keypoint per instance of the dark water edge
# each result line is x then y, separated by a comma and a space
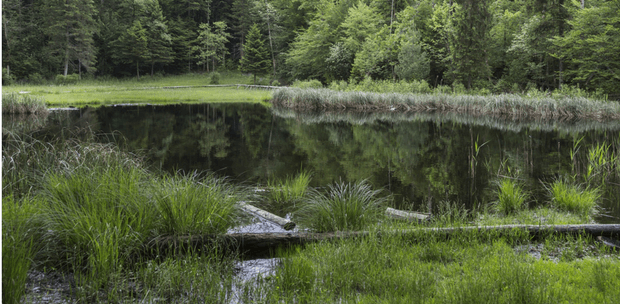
422, 159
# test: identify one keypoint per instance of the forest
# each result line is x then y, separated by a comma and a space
496, 45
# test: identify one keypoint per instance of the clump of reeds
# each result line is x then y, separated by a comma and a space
285, 194
345, 206
15, 103
196, 204
510, 105
510, 197
573, 198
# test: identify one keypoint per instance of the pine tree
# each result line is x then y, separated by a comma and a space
159, 40
133, 45
256, 58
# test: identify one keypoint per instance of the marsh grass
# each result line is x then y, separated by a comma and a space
196, 204
510, 105
470, 268
510, 197
19, 245
343, 207
284, 195
15, 103
573, 198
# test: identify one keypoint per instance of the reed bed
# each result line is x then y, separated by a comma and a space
510, 105
15, 103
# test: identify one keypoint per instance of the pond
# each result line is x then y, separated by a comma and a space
421, 159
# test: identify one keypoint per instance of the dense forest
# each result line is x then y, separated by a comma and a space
500, 45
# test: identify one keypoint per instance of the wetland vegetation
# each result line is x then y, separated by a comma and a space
80, 210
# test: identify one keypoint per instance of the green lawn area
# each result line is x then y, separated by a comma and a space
146, 90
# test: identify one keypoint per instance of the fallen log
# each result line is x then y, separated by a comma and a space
261, 244
282, 222
406, 215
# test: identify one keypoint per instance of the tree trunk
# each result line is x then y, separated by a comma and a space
138, 69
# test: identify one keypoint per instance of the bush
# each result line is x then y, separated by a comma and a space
7, 79
69, 79
308, 84
275, 83
36, 78
215, 78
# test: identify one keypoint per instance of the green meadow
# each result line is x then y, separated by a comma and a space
190, 89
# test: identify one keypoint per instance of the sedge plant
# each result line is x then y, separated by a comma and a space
343, 207
510, 197
573, 198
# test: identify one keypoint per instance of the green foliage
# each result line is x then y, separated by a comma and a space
344, 207
308, 84
256, 59
14, 103
284, 195
574, 199
510, 197
214, 78
212, 43
195, 205
69, 79
19, 244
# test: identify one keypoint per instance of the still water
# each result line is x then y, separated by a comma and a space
420, 159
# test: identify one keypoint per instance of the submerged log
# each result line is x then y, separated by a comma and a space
258, 244
282, 222
406, 215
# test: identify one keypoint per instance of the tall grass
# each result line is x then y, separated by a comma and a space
19, 245
510, 105
572, 198
196, 205
15, 103
286, 194
510, 197
344, 206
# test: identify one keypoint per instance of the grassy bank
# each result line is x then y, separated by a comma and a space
145, 90
505, 105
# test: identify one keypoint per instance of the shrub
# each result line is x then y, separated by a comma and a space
215, 78
275, 83
69, 79
345, 206
308, 84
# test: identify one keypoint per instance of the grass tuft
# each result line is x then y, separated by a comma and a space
344, 207
284, 195
510, 197
574, 199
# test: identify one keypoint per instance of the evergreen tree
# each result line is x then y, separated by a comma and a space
133, 46
71, 28
469, 42
256, 59
158, 39
212, 43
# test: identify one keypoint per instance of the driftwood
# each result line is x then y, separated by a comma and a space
282, 222
406, 215
260, 244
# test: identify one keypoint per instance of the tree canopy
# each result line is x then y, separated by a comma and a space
501, 45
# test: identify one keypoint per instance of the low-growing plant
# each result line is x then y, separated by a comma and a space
510, 196
345, 206
573, 198
214, 78
284, 195
308, 84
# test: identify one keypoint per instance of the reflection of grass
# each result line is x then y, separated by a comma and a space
574, 199
147, 90
345, 206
